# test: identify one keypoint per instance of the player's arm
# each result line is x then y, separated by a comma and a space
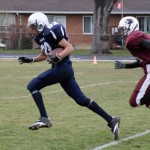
68, 49
123, 65
59, 33
38, 58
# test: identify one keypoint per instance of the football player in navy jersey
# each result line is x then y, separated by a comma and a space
138, 43
49, 37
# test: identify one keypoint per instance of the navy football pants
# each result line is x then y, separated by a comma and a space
61, 73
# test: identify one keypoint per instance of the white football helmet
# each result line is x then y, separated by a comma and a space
127, 25
38, 20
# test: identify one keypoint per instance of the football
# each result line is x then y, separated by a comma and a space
55, 51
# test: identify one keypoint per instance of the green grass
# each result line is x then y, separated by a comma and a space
24, 51
75, 52
74, 127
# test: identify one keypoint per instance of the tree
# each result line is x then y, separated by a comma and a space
102, 10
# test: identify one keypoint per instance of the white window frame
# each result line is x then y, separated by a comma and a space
6, 20
114, 30
145, 22
91, 25
6, 29
60, 19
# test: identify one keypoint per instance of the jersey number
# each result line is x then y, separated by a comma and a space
46, 48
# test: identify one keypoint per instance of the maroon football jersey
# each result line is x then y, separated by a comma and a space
132, 44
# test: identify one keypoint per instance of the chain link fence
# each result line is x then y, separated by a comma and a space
17, 37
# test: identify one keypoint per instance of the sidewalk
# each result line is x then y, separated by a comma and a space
75, 58
102, 58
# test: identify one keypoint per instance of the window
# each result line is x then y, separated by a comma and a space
144, 23
87, 24
5, 29
60, 19
7, 19
114, 30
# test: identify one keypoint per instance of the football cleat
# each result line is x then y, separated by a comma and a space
114, 125
41, 123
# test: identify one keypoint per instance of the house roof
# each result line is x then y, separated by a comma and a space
70, 6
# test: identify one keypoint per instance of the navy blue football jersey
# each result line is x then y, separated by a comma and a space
51, 36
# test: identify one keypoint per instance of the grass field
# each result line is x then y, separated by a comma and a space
74, 127
75, 52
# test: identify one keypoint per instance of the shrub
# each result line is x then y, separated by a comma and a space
26, 43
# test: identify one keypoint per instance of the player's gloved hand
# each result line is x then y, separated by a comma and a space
54, 59
25, 60
119, 65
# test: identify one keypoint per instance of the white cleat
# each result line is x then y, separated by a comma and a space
41, 123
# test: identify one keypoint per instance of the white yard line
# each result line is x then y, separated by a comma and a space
57, 91
122, 140
20, 97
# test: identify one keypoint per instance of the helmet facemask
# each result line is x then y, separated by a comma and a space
127, 25
123, 31
34, 32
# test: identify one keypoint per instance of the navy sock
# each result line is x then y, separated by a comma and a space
97, 109
39, 102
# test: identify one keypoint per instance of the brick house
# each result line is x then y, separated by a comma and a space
76, 16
